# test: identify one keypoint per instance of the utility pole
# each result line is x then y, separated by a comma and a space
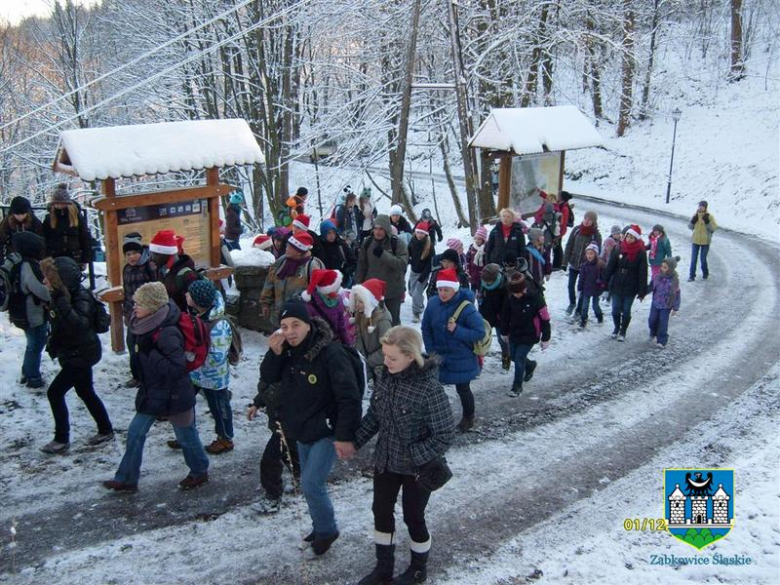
464, 120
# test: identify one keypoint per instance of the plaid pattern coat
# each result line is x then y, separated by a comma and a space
412, 415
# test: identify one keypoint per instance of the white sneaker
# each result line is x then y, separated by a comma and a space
652, 340
660, 345
621, 337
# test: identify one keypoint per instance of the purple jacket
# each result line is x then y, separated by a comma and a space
666, 291
335, 316
591, 280
474, 270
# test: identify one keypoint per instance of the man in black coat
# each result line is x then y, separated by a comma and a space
321, 406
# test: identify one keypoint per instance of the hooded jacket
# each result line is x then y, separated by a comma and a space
411, 414
525, 320
367, 342
666, 291
277, 291
492, 302
389, 266
214, 374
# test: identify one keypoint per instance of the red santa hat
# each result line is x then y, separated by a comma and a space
370, 293
179, 245
302, 222
301, 241
263, 242
423, 227
635, 231
164, 242
325, 281
447, 278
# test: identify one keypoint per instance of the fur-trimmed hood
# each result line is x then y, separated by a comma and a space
321, 335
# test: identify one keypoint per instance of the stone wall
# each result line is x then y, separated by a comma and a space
249, 282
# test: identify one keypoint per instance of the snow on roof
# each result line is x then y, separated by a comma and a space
534, 130
149, 149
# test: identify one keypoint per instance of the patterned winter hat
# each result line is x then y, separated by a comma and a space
263, 242
301, 241
634, 230
325, 281
151, 296
302, 221
455, 244
423, 227
132, 241
164, 242
593, 246
237, 198
61, 194
517, 283
396, 210
481, 233
447, 278
203, 293
370, 293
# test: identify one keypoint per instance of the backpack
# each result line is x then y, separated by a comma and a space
236, 345
196, 339
9, 280
359, 366
482, 346
393, 243
101, 321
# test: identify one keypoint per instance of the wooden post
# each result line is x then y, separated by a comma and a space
212, 178
504, 180
560, 177
113, 265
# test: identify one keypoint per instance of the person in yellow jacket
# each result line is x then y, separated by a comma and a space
703, 225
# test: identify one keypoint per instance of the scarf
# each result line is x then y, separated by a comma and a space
479, 255
587, 230
536, 254
654, 246
495, 284
290, 266
506, 230
331, 300
149, 323
631, 250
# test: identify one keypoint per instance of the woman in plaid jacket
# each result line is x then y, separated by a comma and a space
411, 414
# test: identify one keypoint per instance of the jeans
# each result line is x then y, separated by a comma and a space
36, 341
219, 405
272, 465
466, 399
573, 274
585, 302
621, 308
519, 353
130, 343
704, 249
413, 502
317, 461
80, 379
502, 344
659, 324
417, 292
394, 308
130, 467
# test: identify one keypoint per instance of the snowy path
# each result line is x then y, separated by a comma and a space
582, 449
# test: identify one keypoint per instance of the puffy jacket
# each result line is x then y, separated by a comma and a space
277, 291
320, 397
165, 387
367, 342
491, 303
412, 416
627, 278
456, 350
67, 234
335, 316
9, 226
591, 281
390, 266
133, 277
497, 247
417, 263
178, 279
215, 371
574, 254
666, 291
525, 320
663, 250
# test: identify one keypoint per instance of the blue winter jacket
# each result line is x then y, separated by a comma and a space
214, 374
459, 362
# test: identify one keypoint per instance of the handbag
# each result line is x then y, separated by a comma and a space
434, 474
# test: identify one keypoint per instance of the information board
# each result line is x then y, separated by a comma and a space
531, 172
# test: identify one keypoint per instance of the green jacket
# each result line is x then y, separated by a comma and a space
390, 266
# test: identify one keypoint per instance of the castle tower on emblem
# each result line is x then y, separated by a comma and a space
701, 514
677, 506
720, 506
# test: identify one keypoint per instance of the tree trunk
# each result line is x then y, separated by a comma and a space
595, 67
737, 62
443, 144
627, 84
649, 72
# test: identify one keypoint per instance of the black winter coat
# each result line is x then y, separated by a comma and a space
72, 339
9, 226
65, 239
524, 320
165, 384
491, 304
627, 278
178, 279
402, 225
420, 265
337, 255
497, 247
321, 397
233, 228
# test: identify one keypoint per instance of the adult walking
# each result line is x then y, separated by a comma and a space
411, 416
321, 405
65, 230
452, 337
506, 238
703, 225
421, 253
385, 256
626, 274
233, 227
20, 218
574, 255
434, 229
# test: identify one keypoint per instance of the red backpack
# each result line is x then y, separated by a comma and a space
196, 339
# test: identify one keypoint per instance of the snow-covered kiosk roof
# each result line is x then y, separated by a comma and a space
534, 130
148, 149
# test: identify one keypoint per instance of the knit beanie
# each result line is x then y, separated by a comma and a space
451, 255
481, 233
203, 293
20, 205
295, 310
151, 296
490, 273
302, 192
615, 230
237, 198
132, 241
671, 262
659, 228
61, 194
593, 246
592, 216
535, 234
396, 210
455, 244
517, 283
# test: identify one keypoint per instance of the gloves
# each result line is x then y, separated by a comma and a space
706, 218
378, 251
145, 344
545, 345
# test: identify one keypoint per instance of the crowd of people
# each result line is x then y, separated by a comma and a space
333, 303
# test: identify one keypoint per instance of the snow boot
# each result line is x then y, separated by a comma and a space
530, 366
506, 363
465, 424
267, 505
616, 321
321, 544
191, 482
220, 445
55, 448
517, 389
417, 571
385, 562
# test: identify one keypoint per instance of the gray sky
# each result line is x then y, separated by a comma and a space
14, 11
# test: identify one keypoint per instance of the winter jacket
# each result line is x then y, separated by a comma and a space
525, 320
492, 299
591, 282
233, 227
574, 254
702, 230
419, 265
335, 316
133, 277
666, 291
389, 266
562, 210
434, 229
659, 249
626, 278
320, 397
214, 374
347, 220
277, 291
67, 234
9, 226
165, 387
539, 263
337, 255
367, 343
178, 279
27, 302
497, 247
609, 245
411, 414
459, 362
475, 262
432, 290
402, 225
72, 339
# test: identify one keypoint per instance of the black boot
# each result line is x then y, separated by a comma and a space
417, 571
624, 325
616, 321
385, 562
530, 366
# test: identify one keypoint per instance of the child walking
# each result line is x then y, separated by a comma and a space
659, 248
138, 271
591, 284
666, 301
475, 258
324, 298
